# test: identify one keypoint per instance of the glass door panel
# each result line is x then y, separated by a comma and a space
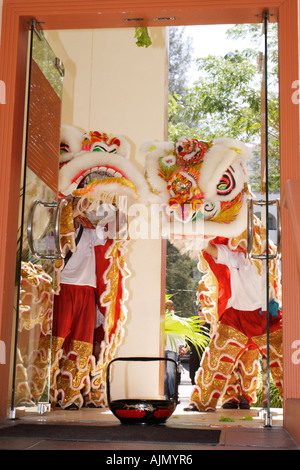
266, 209
38, 243
236, 96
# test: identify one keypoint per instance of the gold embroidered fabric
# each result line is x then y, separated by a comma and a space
217, 365
275, 355
224, 371
56, 355
34, 329
36, 298
244, 379
70, 372
32, 368
114, 327
208, 294
83, 380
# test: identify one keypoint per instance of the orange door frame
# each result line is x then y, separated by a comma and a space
74, 14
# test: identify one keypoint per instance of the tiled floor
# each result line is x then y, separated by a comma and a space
238, 434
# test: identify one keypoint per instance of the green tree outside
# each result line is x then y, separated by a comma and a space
225, 101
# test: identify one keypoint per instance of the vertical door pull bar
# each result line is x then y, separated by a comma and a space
62, 203
250, 227
29, 227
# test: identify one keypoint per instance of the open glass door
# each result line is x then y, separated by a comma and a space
268, 254
240, 288
38, 242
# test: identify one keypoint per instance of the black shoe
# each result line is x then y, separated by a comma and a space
72, 407
230, 405
191, 408
244, 404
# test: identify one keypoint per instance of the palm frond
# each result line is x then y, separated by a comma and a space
189, 328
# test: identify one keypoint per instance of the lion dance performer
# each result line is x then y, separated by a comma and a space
240, 332
89, 304
204, 191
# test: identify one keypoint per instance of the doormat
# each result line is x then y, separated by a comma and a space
113, 433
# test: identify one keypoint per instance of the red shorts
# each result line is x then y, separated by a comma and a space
74, 314
250, 323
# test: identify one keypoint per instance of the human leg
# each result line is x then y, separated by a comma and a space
243, 383
73, 345
275, 356
217, 365
62, 319
170, 374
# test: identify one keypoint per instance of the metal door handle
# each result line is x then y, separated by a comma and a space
250, 226
278, 228
58, 208
62, 203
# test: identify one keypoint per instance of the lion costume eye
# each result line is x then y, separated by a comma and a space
102, 147
64, 148
227, 183
98, 148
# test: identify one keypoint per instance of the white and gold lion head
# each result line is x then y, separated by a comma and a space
96, 166
203, 186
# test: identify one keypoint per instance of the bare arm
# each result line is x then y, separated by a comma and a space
212, 250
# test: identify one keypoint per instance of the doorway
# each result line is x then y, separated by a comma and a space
217, 106
77, 51
293, 121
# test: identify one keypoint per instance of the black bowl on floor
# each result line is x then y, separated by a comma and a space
141, 410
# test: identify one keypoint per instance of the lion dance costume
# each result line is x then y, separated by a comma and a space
203, 188
96, 172
95, 167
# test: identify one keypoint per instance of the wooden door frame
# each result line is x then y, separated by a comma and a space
74, 14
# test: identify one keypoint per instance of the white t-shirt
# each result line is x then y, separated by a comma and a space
246, 283
81, 267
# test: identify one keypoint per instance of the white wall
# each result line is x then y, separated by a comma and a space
112, 85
